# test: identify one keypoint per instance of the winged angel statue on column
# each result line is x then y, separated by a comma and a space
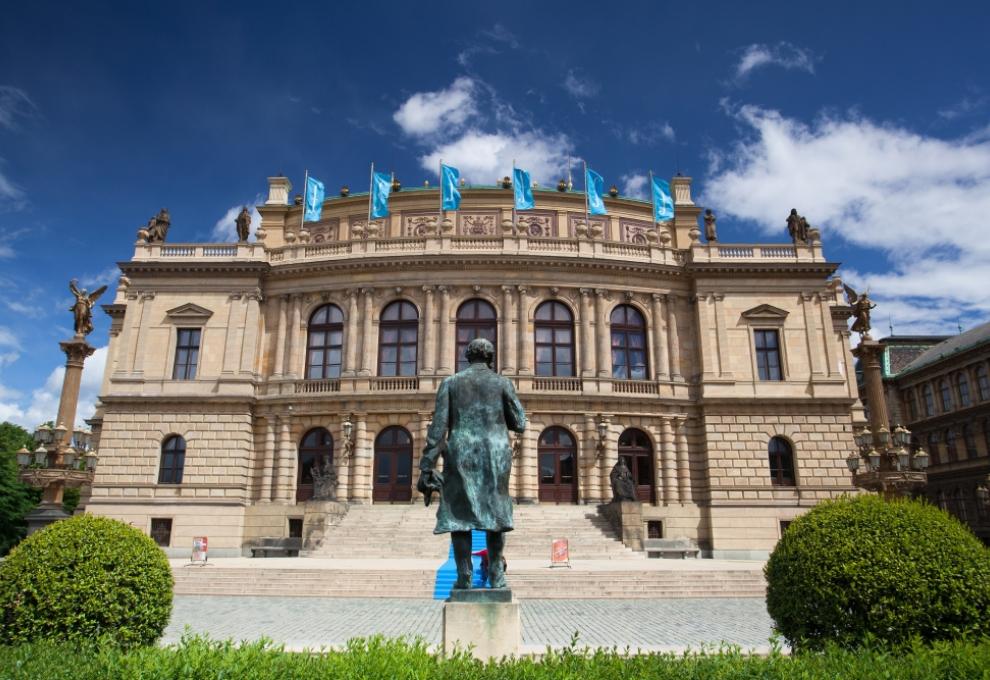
82, 309
861, 305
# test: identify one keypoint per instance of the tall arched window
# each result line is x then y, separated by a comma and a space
393, 466
781, 462
933, 450
628, 344
912, 406
962, 384
475, 319
983, 382
554, 328
325, 341
316, 448
951, 454
946, 394
636, 450
557, 454
173, 460
398, 337
929, 397
969, 440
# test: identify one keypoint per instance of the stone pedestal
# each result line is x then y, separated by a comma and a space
487, 620
626, 517
317, 518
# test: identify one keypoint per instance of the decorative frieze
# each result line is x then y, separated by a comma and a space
477, 224
635, 231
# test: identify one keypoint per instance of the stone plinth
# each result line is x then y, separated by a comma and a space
486, 620
317, 518
626, 517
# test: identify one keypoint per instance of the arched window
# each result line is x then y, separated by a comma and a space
983, 382
173, 460
969, 440
912, 405
635, 448
781, 462
946, 394
393, 466
933, 449
554, 330
929, 397
628, 344
962, 384
475, 319
950, 445
325, 343
316, 449
557, 454
398, 336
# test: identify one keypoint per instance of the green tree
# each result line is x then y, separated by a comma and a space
16, 499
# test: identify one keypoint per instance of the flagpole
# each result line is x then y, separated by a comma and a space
302, 218
442, 212
513, 192
587, 219
371, 193
570, 181
653, 198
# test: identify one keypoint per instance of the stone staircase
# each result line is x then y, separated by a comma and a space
406, 532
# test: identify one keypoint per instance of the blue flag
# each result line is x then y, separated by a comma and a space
663, 203
594, 185
314, 199
450, 193
381, 187
522, 189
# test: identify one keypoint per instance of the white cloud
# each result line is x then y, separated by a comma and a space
103, 278
14, 104
634, 185
482, 157
225, 229
783, 54
426, 112
918, 200
43, 405
11, 195
964, 107
580, 87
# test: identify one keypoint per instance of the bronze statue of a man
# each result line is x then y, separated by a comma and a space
243, 224
621, 479
711, 233
475, 409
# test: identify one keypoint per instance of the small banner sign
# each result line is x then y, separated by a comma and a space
560, 553
199, 549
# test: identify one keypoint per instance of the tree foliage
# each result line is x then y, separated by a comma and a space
16, 499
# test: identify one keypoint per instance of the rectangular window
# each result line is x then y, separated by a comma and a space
784, 523
295, 527
161, 531
186, 354
654, 528
768, 354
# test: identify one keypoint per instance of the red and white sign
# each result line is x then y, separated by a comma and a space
199, 549
560, 553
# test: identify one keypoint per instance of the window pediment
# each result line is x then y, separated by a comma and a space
765, 314
189, 313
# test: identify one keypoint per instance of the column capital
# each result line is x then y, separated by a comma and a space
523, 290
428, 290
585, 292
506, 289
602, 292
718, 297
659, 297
147, 295
254, 294
444, 290
368, 291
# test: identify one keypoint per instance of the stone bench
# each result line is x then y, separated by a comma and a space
276, 547
670, 548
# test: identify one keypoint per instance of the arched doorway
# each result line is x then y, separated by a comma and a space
393, 466
635, 448
315, 448
557, 453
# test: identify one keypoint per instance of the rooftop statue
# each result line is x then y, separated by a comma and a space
861, 305
710, 233
158, 226
243, 223
797, 227
475, 409
623, 488
82, 309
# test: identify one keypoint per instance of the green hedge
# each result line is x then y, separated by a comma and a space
376, 658
85, 578
862, 569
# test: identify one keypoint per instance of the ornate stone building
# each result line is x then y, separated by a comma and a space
942, 394
721, 372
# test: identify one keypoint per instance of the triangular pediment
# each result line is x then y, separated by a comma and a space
189, 312
765, 313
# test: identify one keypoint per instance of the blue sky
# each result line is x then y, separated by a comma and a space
874, 123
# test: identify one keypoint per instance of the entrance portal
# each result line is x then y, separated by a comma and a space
558, 466
393, 466
635, 448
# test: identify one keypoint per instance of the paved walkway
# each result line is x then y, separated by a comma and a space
647, 625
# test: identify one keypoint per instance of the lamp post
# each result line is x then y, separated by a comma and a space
883, 462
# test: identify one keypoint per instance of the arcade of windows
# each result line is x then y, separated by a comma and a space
557, 463
553, 342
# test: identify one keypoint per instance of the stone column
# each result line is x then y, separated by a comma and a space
869, 352
668, 462
140, 356
429, 334
589, 465
351, 340
673, 342
683, 463
811, 334
369, 346
249, 346
508, 336
444, 365
230, 354
602, 334
76, 350
660, 364
267, 493
525, 336
285, 462
518, 476
828, 339
283, 322
721, 342
364, 458
587, 337
295, 337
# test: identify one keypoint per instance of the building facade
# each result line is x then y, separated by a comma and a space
721, 372
943, 396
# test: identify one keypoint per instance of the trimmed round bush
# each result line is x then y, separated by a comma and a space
85, 578
865, 570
